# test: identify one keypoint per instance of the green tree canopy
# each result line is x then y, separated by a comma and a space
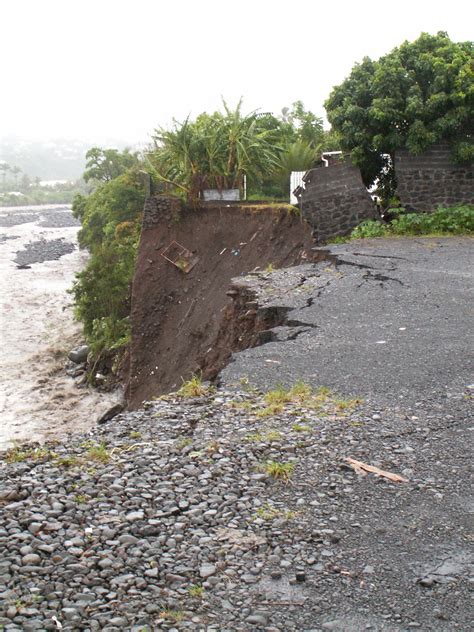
418, 94
104, 165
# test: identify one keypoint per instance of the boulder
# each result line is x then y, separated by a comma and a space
79, 354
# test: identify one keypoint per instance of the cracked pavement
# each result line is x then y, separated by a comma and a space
389, 321
385, 319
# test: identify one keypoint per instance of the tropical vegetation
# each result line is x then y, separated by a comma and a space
216, 151
111, 219
419, 94
454, 220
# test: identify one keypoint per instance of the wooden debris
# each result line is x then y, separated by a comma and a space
363, 469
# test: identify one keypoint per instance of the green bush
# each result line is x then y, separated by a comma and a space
455, 220
369, 228
111, 220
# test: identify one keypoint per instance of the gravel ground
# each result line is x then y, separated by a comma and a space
43, 250
167, 519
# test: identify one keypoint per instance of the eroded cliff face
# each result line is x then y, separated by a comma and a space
186, 322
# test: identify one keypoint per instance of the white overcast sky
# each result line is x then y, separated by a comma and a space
94, 69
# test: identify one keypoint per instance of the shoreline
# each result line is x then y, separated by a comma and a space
38, 400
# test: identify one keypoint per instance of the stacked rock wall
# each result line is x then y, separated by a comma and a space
158, 207
431, 180
335, 200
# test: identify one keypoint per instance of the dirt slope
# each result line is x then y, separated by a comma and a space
176, 316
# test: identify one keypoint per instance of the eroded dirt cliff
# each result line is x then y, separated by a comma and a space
182, 322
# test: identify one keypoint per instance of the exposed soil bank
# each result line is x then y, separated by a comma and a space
180, 321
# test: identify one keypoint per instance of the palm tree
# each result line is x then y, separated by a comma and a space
214, 151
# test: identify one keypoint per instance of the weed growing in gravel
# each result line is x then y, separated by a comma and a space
212, 447
99, 452
195, 388
279, 470
303, 395
272, 409
347, 404
175, 616
18, 454
278, 396
67, 461
269, 512
267, 435
195, 591
301, 428
183, 442
80, 499
245, 405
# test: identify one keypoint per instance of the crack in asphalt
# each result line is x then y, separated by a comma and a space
363, 254
368, 276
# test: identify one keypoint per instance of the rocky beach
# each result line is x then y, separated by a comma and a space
211, 513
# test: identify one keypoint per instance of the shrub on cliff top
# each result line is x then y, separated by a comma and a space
455, 220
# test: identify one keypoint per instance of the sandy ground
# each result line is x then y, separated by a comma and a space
38, 400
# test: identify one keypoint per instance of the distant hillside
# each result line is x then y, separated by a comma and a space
58, 159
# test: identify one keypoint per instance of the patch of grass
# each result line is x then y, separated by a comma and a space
175, 616
213, 447
80, 498
99, 452
279, 470
195, 388
245, 405
67, 461
269, 512
266, 435
343, 405
278, 396
183, 442
195, 591
17, 454
301, 428
301, 394
272, 409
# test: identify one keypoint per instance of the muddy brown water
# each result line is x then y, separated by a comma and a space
38, 400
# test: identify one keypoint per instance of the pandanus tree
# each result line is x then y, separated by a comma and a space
214, 152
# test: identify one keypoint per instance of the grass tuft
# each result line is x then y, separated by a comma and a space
279, 470
195, 388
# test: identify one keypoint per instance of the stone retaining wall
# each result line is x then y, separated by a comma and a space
158, 207
335, 200
431, 179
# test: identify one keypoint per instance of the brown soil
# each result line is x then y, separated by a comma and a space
183, 323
